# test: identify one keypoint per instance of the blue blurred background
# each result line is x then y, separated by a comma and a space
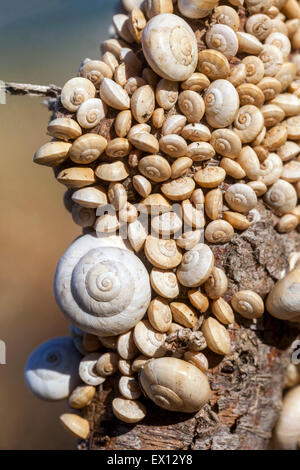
41, 41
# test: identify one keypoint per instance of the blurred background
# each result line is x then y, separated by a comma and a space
42, 42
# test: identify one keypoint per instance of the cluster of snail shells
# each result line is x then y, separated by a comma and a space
210, 128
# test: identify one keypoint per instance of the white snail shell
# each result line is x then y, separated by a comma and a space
196, 267
101, 286
51, 371
170, 47
221, 103
196, 8
91, 112
223, 39
174, 384
283, 302
76, 91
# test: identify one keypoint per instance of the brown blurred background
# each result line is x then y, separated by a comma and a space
41, 41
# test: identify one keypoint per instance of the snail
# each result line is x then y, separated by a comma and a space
75, 92
196, 9
90, 113
174, 384
196, 267
51, 371
170, 47
101, 286
223, 39
287, 431
221, 103
283, 301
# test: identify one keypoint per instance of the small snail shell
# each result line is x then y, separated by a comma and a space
166, 224
133, 83
250, 94
156, 7
126, 347
76, 177
281, 41
226, 143
270, 86
248, 123
164, 283
214, 204
287, 223
272, 114
137, 235
82, 396
196, 267
174, 124
155, 167
222, 310
129, 388
193, 216
180, 167
143, 103
149, 341
170, 47
110, 60
173, 145
137, 23
224, 14
270, 169
237, 75
114, 95
198, 300
292, 375
174, 384
107, 364
291, 171
142, 185
78, 426
159, 315
82, 216
96, 71
196, 132
158, 118
248, 43
184, 315
90, 113
116, 171
223, 39
166, 94
196, 82
121, 24
102, 288
162, 254
191, 104
288, 151
238, 221
52, 153
241, 198
118, 148
213, 64
210, 177
219, 231
221, 103
154, 204
248, 304
259, 25
232, 168
216, 336
196, 9
128, 411
75, 92
64, 129
51, 371
254, 69
87, 370
287, 430
129, 5
200, 151
275, 137
257, 6
178, 189
272, 59
87, 148
198, 360
293, 127
107, 223
123, 123
125, 367
286, 75
145, 142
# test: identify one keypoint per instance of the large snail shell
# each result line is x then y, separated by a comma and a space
283, 302
174, 384
101, 286
196, 8
222, 103
170, 47
196, 267
51, 371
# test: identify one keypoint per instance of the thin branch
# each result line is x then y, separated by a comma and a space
51, 91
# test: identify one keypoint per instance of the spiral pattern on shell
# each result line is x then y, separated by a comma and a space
248, 123
76, 91
103, 289
90, 113
223, 39
241, 198
221, 103
281, 197
51, 371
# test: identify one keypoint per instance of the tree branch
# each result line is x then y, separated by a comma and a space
50, 91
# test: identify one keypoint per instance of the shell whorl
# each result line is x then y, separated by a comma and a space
101, 286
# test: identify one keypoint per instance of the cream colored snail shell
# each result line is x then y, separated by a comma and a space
174, 384
101, 286
196, 9
51, 371
287, 430
223, 39
283, 302
170, 47
221, 103
75, 92
196, 267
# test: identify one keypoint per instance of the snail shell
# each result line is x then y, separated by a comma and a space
191, 104
90, 113
196, 267
101, 286
226, 143
248, 304
272, 59
287, 430
166, 94
75, 92
174, 384
196, 9
281, 41
219, 231
164, 283
174, 124
52, 153
162, 254
170, 47
87, 369
223, 39
149, 341
254, 69
270, 86
241, 198
213, 64
259, 25
155, 167
283, 302
96, 71
114, 95
51, 371
87, 148
248, 123
224, 14
64, 129
221, 103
